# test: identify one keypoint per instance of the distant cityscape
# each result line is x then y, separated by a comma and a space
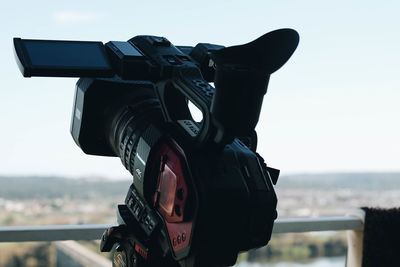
336, 194
56, 200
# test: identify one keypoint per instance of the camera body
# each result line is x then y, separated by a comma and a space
200, 192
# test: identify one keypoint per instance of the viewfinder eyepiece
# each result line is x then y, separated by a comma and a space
241, 79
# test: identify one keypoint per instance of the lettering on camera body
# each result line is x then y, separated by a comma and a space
190, 127
177, 240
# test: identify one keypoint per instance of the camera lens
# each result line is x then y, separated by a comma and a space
130, 124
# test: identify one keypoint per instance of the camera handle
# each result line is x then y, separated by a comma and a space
242, 75
188, 84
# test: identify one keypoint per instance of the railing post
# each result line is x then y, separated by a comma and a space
355, 242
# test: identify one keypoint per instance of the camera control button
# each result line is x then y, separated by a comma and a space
172, 60
159, 41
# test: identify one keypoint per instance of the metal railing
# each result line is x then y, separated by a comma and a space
72, 251
94, 231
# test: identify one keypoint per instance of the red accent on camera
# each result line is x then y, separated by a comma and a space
171, 190
173, 198
141, 251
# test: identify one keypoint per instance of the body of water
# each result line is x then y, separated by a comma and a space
322, 262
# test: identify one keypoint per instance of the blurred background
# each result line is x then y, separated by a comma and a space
330, 119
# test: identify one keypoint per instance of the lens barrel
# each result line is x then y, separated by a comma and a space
131, 124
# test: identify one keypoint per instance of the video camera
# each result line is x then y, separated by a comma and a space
200, 192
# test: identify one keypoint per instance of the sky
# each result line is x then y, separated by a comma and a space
334, 107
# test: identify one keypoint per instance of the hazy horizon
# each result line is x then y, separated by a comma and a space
129, 176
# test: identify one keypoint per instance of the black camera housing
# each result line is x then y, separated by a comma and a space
200, 192
97, 100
